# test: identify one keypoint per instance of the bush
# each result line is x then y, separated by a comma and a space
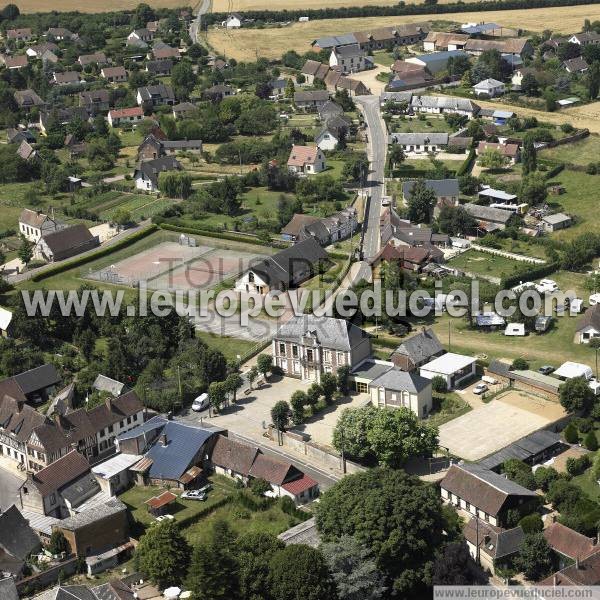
570, 434
439, 385
590, 441
576, 466
531, 523
260, 487
544, 476
520, 364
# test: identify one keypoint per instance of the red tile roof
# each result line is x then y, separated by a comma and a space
162, 500
299, 485
120, 113
302, 155
568, 542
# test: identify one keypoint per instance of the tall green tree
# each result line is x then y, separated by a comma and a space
299, 572
280, 414
396, 516
214, 569
254, 552
163, 554
534, 557
528, 155
593, 80
353, 569
25, 251
421, 202
576, 395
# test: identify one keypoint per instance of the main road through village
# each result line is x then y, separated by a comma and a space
377, 144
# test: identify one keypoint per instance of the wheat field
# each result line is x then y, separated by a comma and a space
272, 42
93, 6
241, 5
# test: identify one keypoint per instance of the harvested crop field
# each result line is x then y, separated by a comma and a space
273, 42
33, 6
241, 5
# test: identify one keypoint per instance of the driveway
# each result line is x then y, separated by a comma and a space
369, 78
9, 486
495, 425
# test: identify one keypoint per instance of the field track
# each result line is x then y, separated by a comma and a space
273, 42
240, 5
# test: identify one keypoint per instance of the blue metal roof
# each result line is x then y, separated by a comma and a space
184, 442
440, 56
481, 28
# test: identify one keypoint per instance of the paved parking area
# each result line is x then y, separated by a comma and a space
490, 427
10, 483
252, 414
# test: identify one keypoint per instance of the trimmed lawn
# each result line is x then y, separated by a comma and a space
334, 168
416, 125
383, 58
521, 247
242, 520
269, 519
230, 347
580, 199
588, 484
578, 153
136, 496
447, 407
483, 263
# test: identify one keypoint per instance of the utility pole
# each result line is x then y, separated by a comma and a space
449, 341
343, 452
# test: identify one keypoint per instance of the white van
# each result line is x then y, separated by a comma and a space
200, 403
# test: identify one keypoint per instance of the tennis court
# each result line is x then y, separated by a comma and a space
150, 263
205, 271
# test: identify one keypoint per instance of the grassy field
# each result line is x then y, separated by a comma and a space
579, 153
483, 263
431, 125
241, 519
580, 199
230, 347
273, 42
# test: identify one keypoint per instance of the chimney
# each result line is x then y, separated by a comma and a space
108, 403
162, 439
577, 562
555, 580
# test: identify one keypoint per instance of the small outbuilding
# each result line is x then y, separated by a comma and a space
455, 369
515, 329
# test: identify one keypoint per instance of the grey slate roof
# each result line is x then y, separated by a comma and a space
420, 347
311, 96
337, 334
348, 51
369, 369
37, 379
444, 103
67, 592
493, 541
152, 168
153, 92
80, 490
281, 267
487, 213
91, 515
523, 449
419, 139
335, 40
397, 380
440, 187
304, 533
106, 384
8, 589
16, 536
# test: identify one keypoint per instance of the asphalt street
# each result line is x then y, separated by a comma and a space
376, 150
9, 489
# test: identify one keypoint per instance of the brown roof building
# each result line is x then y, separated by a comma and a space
66, 243
233, 458
484, 493
568, 543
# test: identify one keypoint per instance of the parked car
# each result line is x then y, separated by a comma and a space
165, 518
194, 495
201, 403
206, 488
490, 380
480, 388
546, 370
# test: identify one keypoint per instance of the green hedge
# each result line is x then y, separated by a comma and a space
467, 164
219, 235
530, 274
554, 171
78, 262
204, 512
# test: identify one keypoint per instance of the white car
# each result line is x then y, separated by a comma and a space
165, 518
194, 495
547, 286
200, 403
480, 388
